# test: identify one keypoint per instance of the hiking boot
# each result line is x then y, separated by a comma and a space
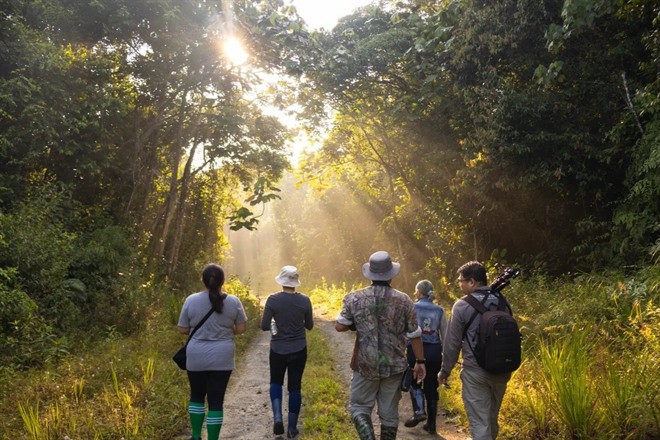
388, 432
414, 421
292, 429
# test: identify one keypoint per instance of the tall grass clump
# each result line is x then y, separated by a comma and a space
591, 358
566, 364
631, 383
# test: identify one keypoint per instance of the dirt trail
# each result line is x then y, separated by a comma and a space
247, 405
247, 408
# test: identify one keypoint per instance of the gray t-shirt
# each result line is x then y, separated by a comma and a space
293, 314
212, 346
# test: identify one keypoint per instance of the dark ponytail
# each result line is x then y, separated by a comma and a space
214, 277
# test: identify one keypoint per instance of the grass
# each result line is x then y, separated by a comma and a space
591, 360
325, 415
566, 364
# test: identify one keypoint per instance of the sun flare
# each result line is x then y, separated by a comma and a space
235, 52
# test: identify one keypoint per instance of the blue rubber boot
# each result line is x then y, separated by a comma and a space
292, 429
278, 425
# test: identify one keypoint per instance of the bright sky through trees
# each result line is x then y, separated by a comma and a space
324, 14
321, 14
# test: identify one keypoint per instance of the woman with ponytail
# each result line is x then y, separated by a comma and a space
432, 321
210, 352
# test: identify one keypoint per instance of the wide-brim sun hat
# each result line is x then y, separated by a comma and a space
380, 267
288, 277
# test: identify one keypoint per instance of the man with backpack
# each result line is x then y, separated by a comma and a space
484, 329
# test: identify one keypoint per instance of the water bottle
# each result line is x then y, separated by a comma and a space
273, 327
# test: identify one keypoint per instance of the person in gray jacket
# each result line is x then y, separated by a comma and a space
483, 392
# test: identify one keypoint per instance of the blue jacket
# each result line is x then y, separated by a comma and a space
432, 321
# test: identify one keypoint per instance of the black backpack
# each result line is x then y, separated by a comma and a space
498, 348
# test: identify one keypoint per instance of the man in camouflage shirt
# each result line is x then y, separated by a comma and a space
383, 318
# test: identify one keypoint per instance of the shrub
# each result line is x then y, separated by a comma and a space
25, 339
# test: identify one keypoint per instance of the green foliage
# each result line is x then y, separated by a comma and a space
132, 133
100, 255
324, 413
263, 192
479, 126
590, 357
25, 338
252, 309
37, 243
328, 299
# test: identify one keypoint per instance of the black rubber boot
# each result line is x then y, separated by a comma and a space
417, 398
364, 427
388, 432
432, 410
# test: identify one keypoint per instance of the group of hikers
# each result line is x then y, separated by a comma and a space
399, 345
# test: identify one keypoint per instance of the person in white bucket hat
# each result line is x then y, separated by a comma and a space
287, 314
383, 318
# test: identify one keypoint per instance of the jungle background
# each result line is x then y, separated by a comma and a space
133, 151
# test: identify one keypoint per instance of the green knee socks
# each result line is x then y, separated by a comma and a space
214, 424
196, 413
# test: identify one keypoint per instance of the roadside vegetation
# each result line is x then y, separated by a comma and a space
590, 370
118, 387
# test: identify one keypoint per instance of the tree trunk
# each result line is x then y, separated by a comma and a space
172, 197
179, 226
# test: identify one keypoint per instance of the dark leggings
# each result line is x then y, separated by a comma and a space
433, 356
294, 363
210, 385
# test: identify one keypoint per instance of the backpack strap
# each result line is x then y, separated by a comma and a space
503, 304
478, 306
